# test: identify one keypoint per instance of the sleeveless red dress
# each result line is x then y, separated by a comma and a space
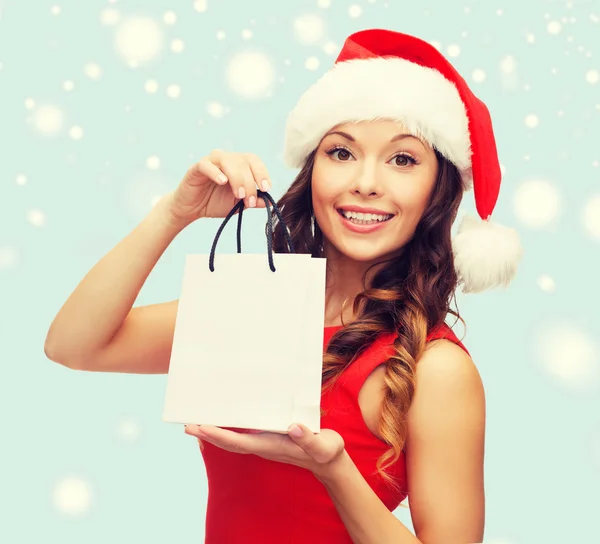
255, 501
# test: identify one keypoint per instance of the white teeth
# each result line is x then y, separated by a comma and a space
365, 217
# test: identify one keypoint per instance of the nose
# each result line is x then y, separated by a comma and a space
365, 181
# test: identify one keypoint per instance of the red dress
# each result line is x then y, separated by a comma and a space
253, 500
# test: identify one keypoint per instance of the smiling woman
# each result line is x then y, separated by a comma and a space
387, 143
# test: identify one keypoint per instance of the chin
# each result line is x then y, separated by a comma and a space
364, 252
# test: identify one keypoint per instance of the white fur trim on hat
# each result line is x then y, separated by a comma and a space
382, 88
486, 254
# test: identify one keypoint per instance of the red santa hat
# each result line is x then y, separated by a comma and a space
381, 74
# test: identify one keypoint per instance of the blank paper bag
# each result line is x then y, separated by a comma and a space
248, 343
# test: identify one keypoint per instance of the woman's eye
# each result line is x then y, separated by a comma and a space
343, 154
406, 160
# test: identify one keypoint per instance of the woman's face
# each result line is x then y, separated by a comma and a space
371, 183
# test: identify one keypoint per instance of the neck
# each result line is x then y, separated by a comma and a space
343, 283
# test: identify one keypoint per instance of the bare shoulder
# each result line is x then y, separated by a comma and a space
444, 370
445, 364
447, 383
143, 343
445, 446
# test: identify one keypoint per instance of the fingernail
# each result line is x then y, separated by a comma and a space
241, 193
265, 185
252, 201
222, 178
296, 431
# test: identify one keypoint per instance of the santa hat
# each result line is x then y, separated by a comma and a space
385, 74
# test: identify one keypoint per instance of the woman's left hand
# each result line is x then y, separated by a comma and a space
300, 447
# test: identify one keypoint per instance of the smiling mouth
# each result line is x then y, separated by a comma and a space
364, 218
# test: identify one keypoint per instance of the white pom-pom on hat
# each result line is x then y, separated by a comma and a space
486, 254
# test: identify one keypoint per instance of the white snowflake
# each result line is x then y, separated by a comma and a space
309, 29
8, 258
151, 86
537, 203
170, 18
129, 429
153, 162
76, 132
567, 353
330, 48
73, 496
215, 109
177, 46
173, 91
312, 63
554, 27
546, 283
200, 6
92, 70
592, 76
532, 121
138, 40
478, 76
355, 11
591, 216
36, 217
453, 50
250, 74
48, 120
508, 65
110, 16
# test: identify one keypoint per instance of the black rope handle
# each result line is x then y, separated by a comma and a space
240, 207
286, 232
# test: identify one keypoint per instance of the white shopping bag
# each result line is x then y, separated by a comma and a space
248, 356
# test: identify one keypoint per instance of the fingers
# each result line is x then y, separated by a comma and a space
259, 171
244, 172
322, 447
211, 171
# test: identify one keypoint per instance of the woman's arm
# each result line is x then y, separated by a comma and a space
96, 310
444, 456
366, 518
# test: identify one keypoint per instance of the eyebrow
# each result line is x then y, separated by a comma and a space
396, 138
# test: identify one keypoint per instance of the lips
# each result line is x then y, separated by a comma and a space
372, 216
360, 209
363, 229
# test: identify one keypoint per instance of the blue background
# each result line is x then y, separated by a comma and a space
85, 456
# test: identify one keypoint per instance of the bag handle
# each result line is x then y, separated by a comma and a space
240, 207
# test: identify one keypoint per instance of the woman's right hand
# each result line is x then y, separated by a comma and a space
215, 184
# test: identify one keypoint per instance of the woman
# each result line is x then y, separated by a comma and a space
387, 142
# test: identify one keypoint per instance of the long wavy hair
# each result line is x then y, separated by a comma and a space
409, 295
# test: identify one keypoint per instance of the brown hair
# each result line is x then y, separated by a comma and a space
409, 296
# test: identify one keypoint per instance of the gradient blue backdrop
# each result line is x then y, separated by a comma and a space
104, 105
